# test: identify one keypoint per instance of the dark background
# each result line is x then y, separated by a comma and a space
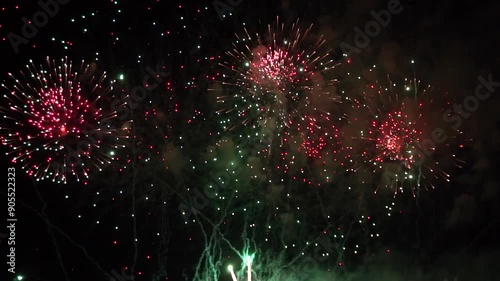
453, 43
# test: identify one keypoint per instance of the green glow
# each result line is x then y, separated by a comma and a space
248, 259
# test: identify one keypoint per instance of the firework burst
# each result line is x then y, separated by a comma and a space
59, 122
274, 78
393, 130
311, 152
278, 86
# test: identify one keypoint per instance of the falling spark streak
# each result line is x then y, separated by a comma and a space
232, 272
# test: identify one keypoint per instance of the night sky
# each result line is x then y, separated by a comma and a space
269, 134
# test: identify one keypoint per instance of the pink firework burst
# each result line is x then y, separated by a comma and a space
58, 122
396, 138
273, 71
279, 86
274, 78
310, 151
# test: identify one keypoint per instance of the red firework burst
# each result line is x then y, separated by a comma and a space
391, 131
56, 122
